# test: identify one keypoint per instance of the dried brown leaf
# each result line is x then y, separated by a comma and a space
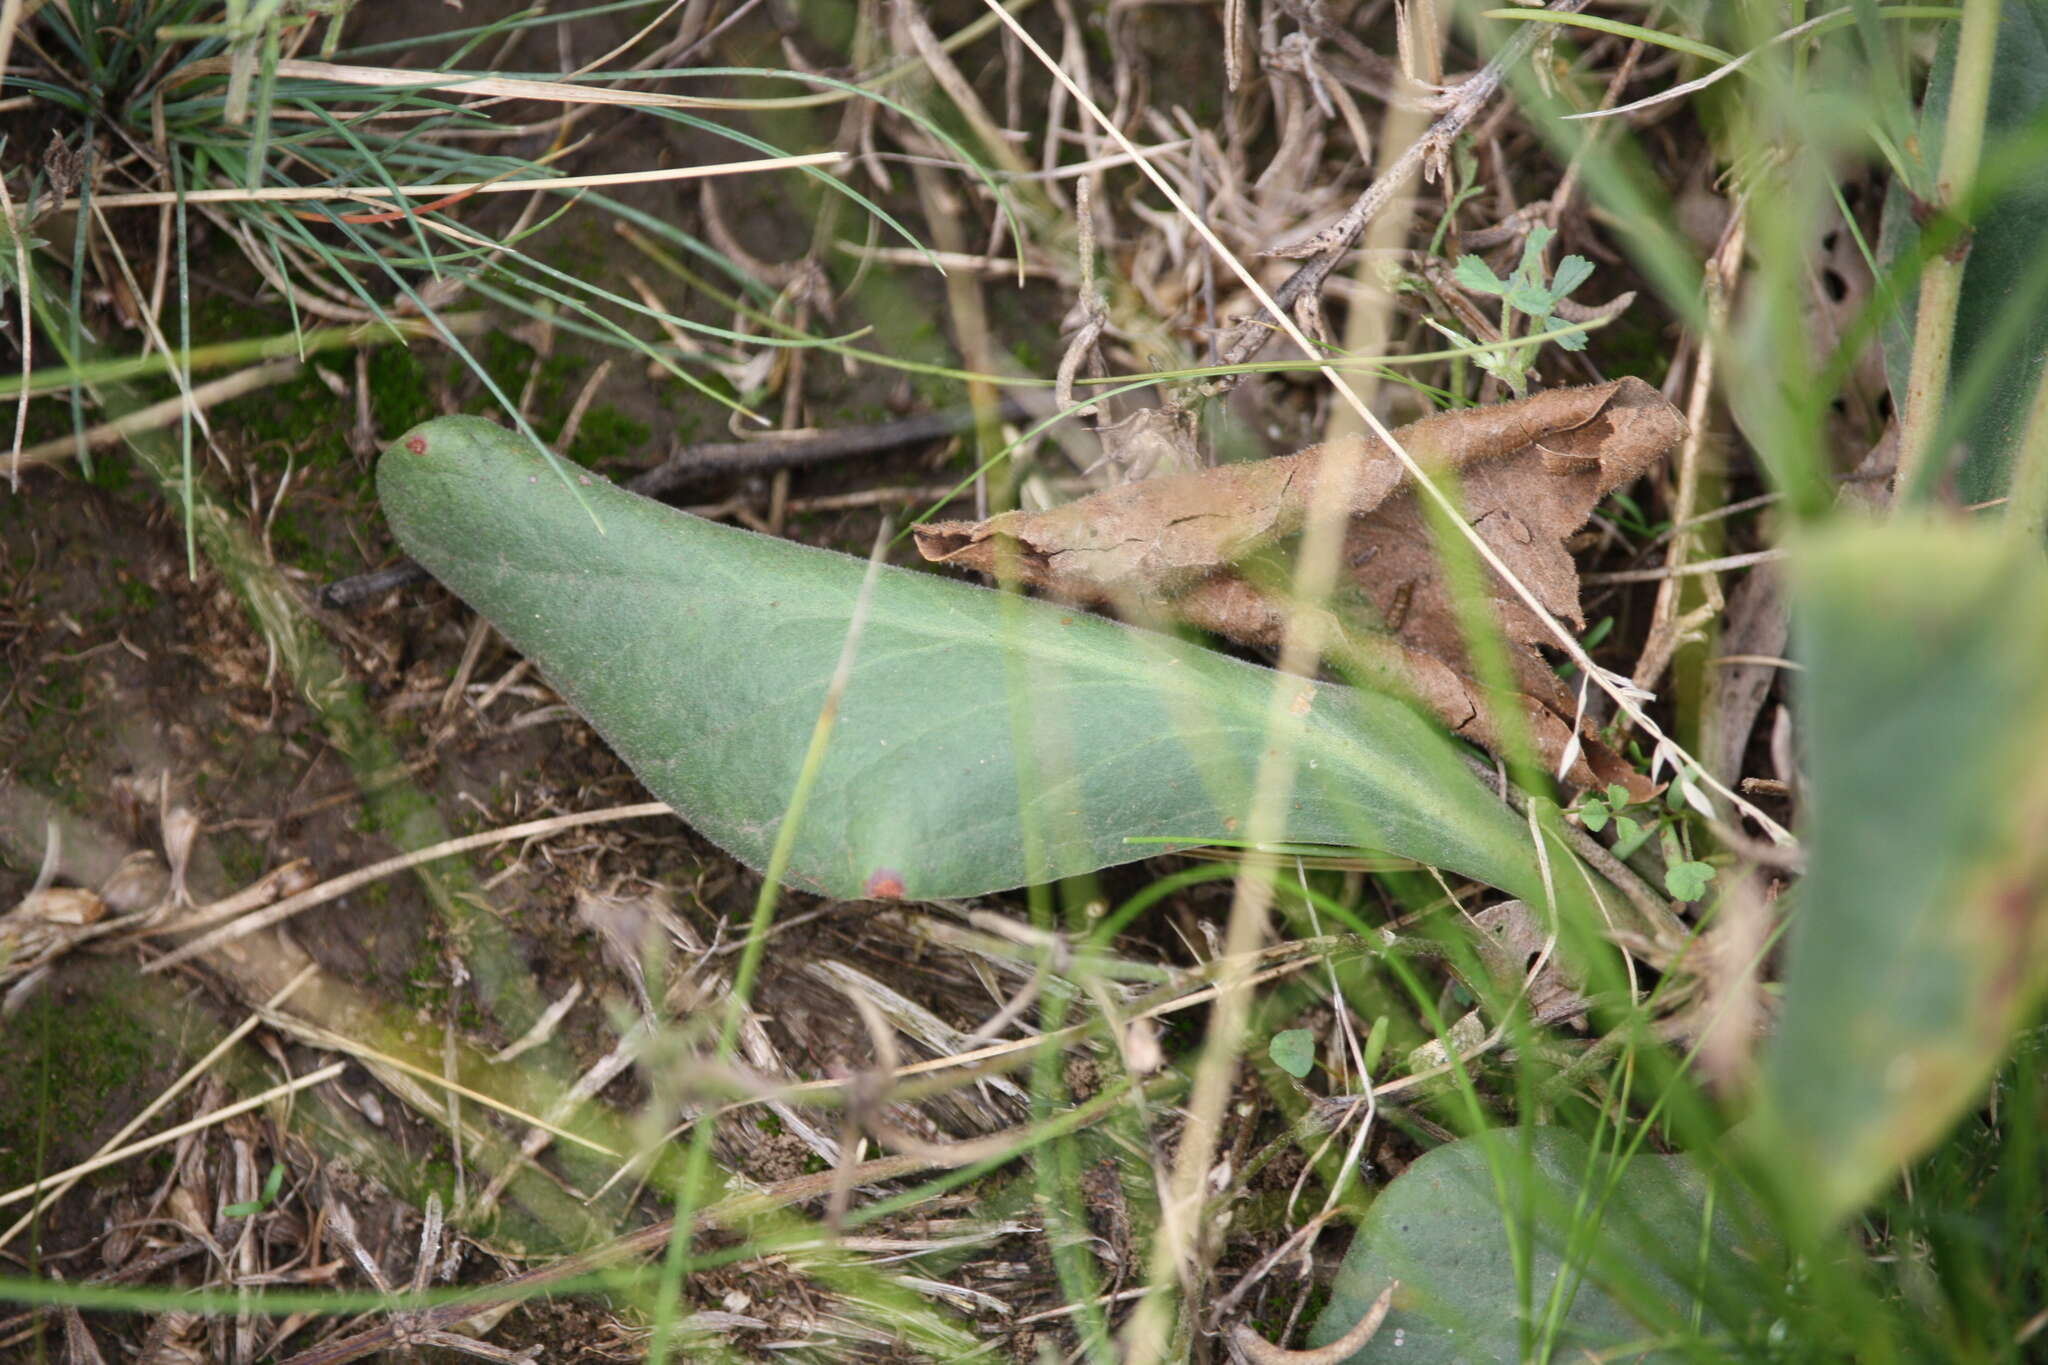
1185, 547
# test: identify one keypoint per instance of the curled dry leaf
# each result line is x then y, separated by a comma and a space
1200, 548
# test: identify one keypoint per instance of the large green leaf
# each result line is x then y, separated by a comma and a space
1918, 943
1446, 1229
983, 742
2001, 329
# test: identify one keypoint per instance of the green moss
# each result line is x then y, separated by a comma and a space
607, 434
140, 596
510, 362
401, 394
425, 986
241, 858
111, 473
61, 1062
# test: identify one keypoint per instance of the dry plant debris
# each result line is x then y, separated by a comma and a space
1190, 547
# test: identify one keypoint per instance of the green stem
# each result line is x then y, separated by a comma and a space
222, 354
1941, 285
2028, 510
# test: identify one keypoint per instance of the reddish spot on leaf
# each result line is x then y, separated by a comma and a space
884, 884
417, 445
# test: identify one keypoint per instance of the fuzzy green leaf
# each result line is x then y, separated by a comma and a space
1529, 296
983, 742
1477, 276
1632, 1265
1922, 937
1572, 272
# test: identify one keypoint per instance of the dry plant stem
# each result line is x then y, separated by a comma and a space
8, 18
947, 76
1302, 646
1011, 1052
1725, 563
341, 886
120, 1154
1566, 642
601, 1074
1262, 1352
1719, 73
326, 194
1331, 245
506, 87
56, 1190
964, 301
1307, 1232
161, 414
1941, 284
732, 1211
1668, 631
1368, 326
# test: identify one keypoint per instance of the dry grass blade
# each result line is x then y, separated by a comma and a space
1718, 74
315, 194
172, 1134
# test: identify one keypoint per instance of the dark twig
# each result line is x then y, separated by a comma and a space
690, 464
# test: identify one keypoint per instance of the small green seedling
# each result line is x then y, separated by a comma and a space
271, 1185
1595, 811
1522, 292
1293, 1051
1685, 878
